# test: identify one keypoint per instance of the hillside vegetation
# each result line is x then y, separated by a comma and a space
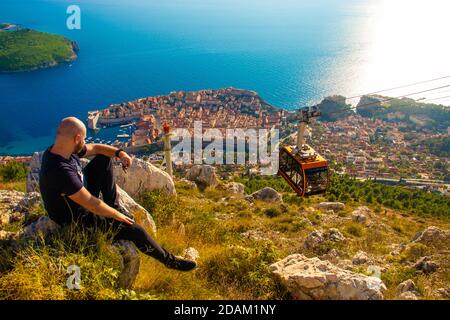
237, 241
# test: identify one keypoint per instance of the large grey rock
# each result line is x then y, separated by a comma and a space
312, 278
335, 206
203, 174
433, 236
129, 264
33, 173
141, 177
266, 194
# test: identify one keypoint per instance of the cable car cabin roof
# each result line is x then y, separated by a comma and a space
318, 162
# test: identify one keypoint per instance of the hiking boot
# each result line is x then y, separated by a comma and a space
178, 263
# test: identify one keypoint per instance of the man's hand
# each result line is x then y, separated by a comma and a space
98, 207
123, 218
127, 161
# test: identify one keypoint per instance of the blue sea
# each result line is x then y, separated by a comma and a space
292, 52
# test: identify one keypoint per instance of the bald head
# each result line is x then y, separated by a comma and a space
70, 135
70, 127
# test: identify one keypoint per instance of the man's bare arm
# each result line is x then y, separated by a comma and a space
85, 199
96, 148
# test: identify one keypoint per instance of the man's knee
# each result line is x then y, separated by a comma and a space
100, 161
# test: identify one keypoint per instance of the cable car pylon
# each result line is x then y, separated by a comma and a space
301, 166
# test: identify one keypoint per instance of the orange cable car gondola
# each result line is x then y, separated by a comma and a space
301, 166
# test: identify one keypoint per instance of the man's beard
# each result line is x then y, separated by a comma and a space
78, 147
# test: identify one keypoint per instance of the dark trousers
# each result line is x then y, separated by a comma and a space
99, 178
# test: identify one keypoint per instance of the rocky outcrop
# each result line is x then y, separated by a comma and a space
134, 210
43, 227
129, 263
360, 258
266, 194
407, 296
405, 289
235, 188
335, 206
426, 265
313, 240
204, 175
316, 238
360, 214
141, 177
433, 236
33, 174
312, 278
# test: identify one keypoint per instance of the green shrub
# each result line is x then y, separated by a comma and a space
162, 206
272, 212
13, 171
245, 268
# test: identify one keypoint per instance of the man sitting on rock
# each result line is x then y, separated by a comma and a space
70, 194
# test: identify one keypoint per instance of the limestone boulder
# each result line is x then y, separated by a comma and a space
335, 206
433, 236
312, 278
44, 227
235, 188
266, 194
360, 258
204, 175
129, 264
135, 211
141, 177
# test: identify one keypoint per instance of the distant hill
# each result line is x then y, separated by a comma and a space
26, 50
415, 114
331, 104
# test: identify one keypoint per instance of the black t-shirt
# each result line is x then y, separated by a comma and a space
59, 178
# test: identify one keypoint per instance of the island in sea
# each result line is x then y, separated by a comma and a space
24, 49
